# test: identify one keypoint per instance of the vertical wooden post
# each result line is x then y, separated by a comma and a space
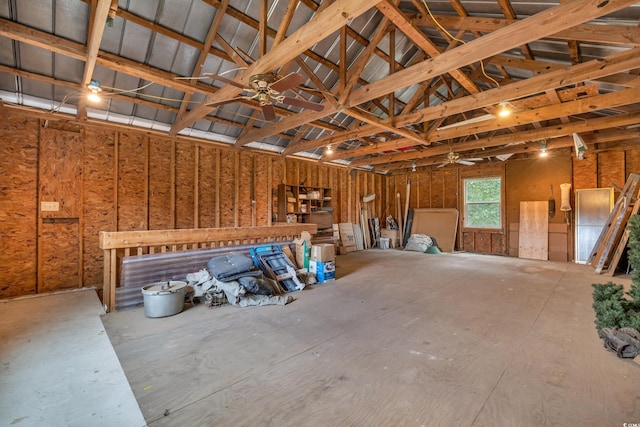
173, 183
196, 188
146, 179
217, 181
236, 190
116, 167
270, 191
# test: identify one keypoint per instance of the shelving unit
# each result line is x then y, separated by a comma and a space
304, 204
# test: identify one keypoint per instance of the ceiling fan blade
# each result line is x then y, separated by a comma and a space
225, 80
269, 112
472, 159
443, 164
287, 82
464, 162
302, 103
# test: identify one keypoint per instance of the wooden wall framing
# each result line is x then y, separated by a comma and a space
110, 178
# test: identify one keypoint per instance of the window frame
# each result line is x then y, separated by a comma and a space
500, 204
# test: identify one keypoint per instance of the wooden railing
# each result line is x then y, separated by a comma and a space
127, 243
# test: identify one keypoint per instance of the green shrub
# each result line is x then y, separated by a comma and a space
608, 303
613, 309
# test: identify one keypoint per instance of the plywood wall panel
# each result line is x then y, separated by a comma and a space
99, 212
498, 243
60, 172
246, 189
533, 234
185, 184
18, 209
611, 169
585, 172
413, 195
332, 182
227, 188
437, 188
450, 188
278, 172
161, 174
209, 186
325, 180
632, 160
60, 256
262, 190
132, 182
379, 189
424, 189
343, 189
468, 241
400, 187
292, 173
482, 242
277, 177
313, 175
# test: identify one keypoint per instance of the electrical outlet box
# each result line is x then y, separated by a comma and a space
49, 206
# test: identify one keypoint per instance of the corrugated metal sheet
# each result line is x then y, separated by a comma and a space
192, 19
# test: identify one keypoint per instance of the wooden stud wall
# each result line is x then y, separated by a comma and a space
112, 179
160, 194
99, 204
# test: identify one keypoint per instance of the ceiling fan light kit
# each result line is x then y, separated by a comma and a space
267, 89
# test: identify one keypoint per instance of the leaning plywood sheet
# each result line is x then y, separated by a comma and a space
534, 230
441, 224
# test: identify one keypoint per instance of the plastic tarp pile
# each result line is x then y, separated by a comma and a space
422, 243
236, 277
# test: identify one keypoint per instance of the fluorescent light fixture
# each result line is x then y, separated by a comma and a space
469, 121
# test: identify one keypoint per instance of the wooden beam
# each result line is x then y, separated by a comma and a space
624, 35
415, 35
98, 23
579, 106
563, 16
501, 40
355, 69
321, 26
497, 140
204, 53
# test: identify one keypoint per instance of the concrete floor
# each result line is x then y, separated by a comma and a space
400, 339
58, 366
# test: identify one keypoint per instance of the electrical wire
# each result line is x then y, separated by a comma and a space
456, 39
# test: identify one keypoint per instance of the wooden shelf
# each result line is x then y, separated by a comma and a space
302, 201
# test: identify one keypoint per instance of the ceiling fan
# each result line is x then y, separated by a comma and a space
453, 158
267, 89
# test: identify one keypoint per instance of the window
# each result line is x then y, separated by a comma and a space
483, 203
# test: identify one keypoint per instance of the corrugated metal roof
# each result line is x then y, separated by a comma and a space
164, 36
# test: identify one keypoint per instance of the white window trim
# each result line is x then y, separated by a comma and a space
465, 203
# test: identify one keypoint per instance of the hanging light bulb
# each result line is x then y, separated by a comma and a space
543, 150
94, 87
413, 167
504, 109
329, 149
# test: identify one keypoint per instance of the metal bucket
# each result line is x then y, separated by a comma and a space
163, 299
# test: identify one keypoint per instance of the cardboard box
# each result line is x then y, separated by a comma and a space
323, 252
324, 271
303, 249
